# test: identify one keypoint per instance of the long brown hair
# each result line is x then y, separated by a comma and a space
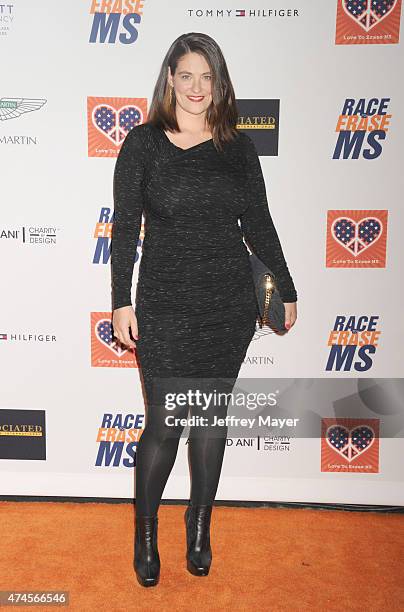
222, 114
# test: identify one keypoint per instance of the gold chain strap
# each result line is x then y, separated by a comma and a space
269, 289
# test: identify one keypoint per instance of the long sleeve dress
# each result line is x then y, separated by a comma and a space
195, 300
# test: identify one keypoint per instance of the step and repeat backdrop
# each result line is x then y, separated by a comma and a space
319, 90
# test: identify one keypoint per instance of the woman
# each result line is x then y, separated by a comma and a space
194, 175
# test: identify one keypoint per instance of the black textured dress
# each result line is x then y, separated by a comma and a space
195, 301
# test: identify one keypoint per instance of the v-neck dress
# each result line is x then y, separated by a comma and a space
195, 301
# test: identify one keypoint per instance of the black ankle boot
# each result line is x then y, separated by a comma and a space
147, 559
199, 552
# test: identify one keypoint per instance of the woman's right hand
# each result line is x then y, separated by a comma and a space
123, 320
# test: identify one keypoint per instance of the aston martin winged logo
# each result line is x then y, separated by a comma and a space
11, 108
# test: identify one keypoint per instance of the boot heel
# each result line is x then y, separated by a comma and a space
199, 552
147, 560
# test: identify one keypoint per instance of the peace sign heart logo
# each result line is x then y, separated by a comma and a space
350, 443
356, 236
103, 331
115, 124
368, 13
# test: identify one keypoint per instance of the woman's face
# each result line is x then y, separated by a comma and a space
192, 83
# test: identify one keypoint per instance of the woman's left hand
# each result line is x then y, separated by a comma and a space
290, 314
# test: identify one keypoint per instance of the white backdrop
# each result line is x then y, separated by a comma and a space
53, 190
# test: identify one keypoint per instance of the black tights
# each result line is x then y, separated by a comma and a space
158, 445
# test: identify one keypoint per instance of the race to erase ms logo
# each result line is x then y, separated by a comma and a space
106, 352
115, 21
356, 238
362, 126
108, 122
117, 439
353, 342
367, 22
103, 233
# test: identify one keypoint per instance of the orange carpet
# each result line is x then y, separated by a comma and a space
263, 558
